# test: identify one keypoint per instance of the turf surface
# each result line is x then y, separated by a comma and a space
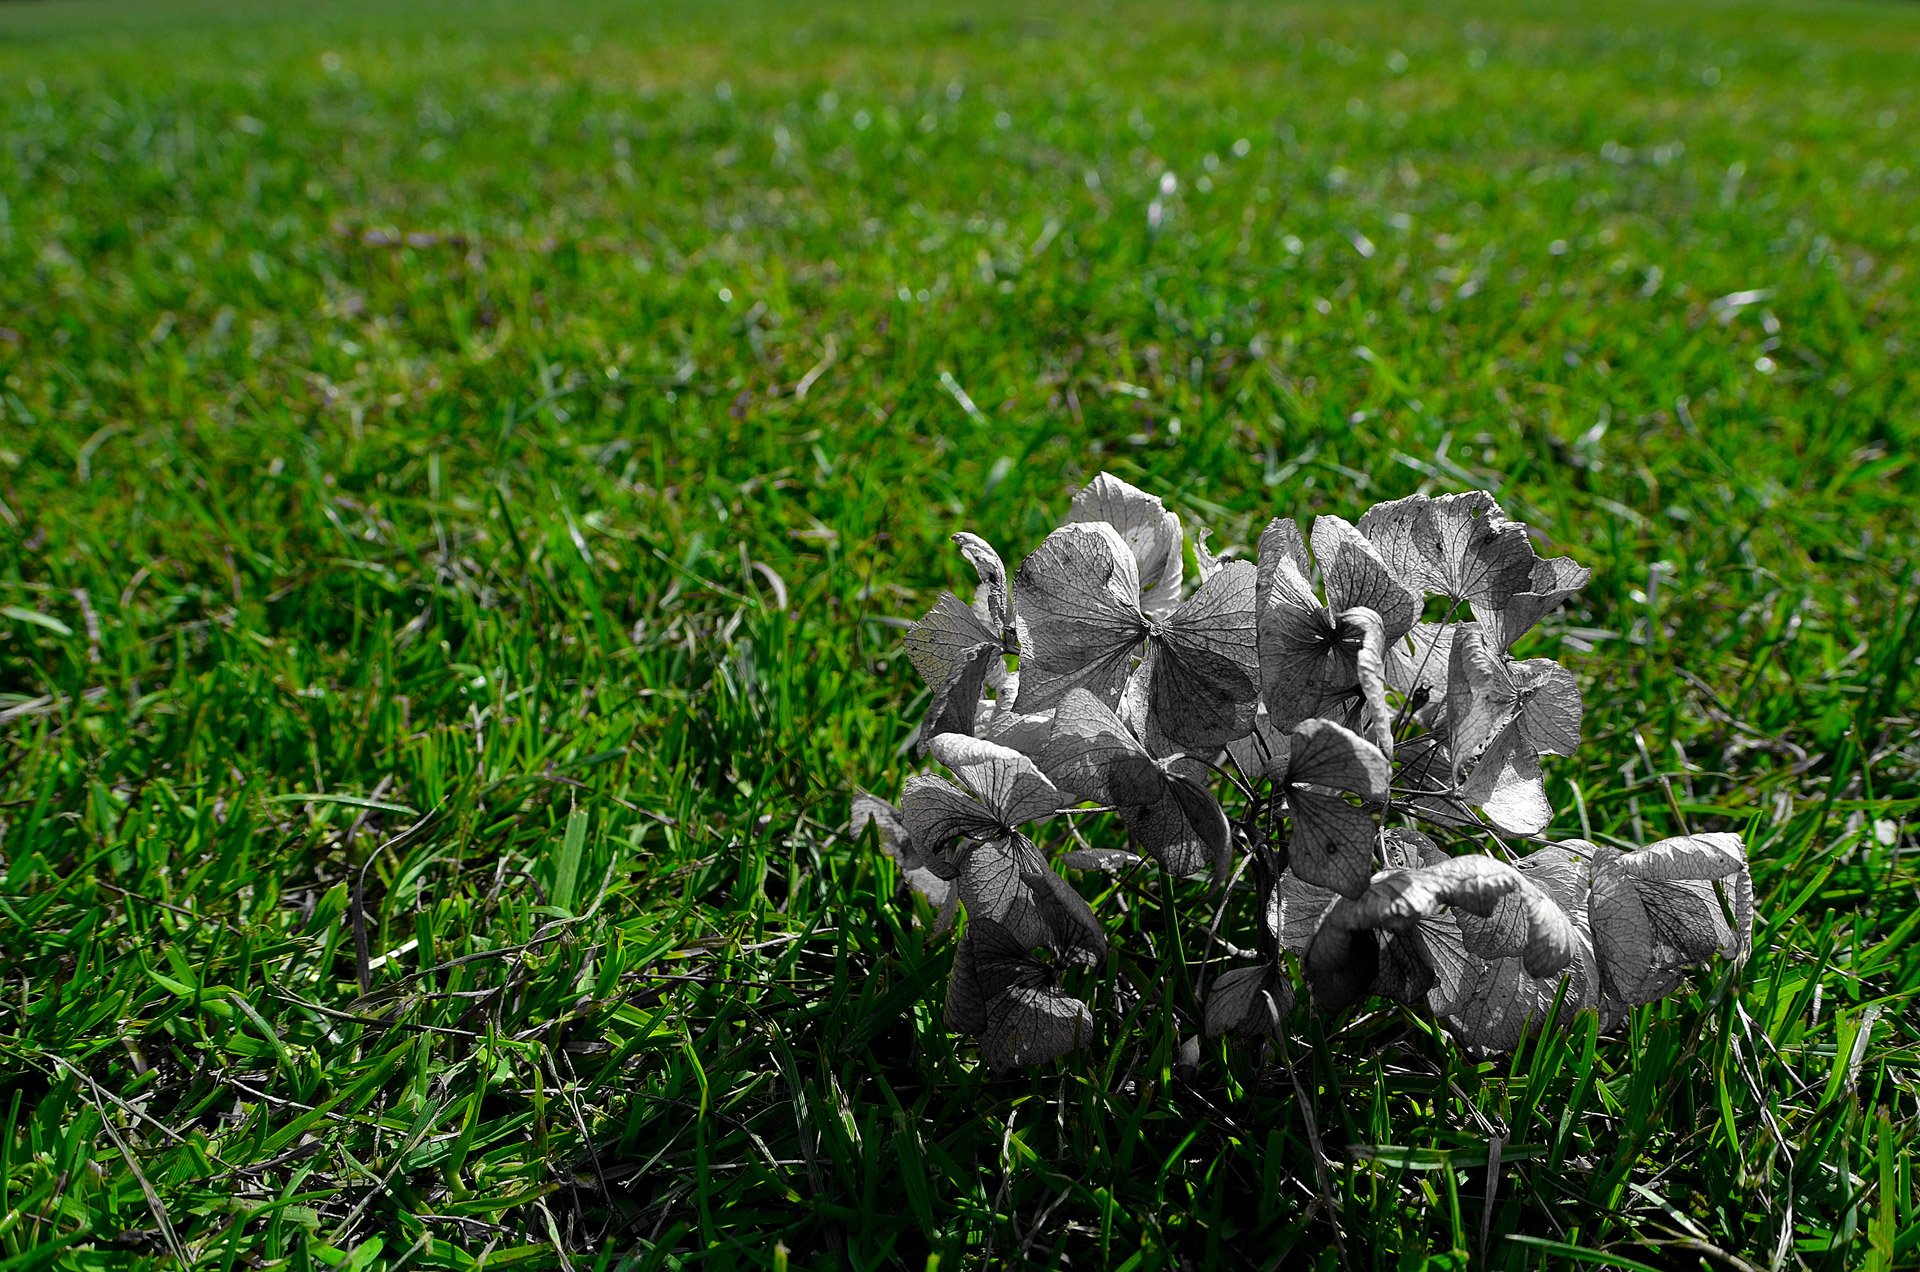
465, 469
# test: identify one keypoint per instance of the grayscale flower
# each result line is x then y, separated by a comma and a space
1001, 875
959, 648
1343, 960
1164, 801
1081, 628
1147, 528
1656, 911
1505, 998
1011, 1001
1327, 660
1316, 671
1458, 546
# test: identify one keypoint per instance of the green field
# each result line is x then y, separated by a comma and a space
464, 468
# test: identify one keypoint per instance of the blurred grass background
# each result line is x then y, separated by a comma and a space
464, 468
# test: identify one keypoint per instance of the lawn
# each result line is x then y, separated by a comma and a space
465, 471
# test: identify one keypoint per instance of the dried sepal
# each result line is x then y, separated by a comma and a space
937, 812
1354, 577
1009, 883
1332, 841
1552, 582
1503, 1003
1204, 558
930, 879
1459, 546
954, 652
1169, 810
1326, 660
1081, 629
1006, 782
1202, 671
1011, 1001
1417, 669
1343, 959
992, 601
1294, 911
997, 722
1304, 671
1091, 753
1655, 912
1079, 617
1487, 692
1150, 532
1248, 1000
1282, 543
1370, 670
1503, 715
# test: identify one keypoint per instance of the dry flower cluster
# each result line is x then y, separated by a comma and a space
1302, 714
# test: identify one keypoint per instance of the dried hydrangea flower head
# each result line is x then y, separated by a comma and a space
1299, 715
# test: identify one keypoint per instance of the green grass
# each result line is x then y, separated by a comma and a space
410, 512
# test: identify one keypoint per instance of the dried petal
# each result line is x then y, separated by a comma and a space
1296, 909
954, 652
1282, 544
1203, 668
1007, 882
1354, 576
1031, 1025
1508, 787
1184, 830
1007, 782
897, 842
1171, 814
1148, 529
1502, 1003
1247, 1000
1203, 556
1079, 617
1305, 667
1395, 529
1108, 860
1417, 667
